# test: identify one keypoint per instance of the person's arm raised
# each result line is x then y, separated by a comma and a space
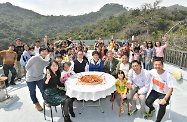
166, 42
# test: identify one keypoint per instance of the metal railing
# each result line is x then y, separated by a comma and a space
176, 57
171, 56
1, 61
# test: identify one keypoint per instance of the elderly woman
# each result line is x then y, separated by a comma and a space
96, 64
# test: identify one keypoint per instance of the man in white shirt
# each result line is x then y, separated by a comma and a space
138, 84
162, 89
37, 47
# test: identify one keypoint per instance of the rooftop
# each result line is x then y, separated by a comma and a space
23, 110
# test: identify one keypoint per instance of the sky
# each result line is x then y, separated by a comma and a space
80, 7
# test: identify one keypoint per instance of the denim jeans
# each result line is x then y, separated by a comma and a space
7, 68
32, 88
148, 66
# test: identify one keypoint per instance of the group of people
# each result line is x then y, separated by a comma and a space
49, 66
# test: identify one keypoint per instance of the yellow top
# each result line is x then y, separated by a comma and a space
121, 86
111, 45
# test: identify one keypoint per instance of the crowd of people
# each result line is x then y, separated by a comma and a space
133, 65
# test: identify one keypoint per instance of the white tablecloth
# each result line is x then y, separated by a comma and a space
90, 92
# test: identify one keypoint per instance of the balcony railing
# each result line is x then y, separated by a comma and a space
176, 57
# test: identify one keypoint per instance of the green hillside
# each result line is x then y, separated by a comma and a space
16, 22
179, 7
149, 22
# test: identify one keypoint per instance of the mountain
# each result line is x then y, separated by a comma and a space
146, 24
179, 7
16, 22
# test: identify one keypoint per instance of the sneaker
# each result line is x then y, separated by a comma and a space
121, 110
131, 112
150, 114
19, 79
145, 116
12, 83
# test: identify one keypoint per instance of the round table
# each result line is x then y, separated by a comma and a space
90, 92
74, 89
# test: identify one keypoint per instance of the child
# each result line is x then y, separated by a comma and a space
70, 59
121, 89
65, 74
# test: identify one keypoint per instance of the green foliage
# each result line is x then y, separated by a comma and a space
16, 22
154, 22
148, 23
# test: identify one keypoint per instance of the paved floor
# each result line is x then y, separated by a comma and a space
24, 111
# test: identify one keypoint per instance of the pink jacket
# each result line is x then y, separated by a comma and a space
160, 50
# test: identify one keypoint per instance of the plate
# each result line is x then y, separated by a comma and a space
87, 78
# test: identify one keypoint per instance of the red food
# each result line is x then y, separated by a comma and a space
90, 79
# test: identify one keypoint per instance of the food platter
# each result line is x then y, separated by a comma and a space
90, 79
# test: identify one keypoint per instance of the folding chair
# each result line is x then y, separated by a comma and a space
44, 103
121, 101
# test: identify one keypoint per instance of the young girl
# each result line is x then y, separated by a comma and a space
121, 89
65, 74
